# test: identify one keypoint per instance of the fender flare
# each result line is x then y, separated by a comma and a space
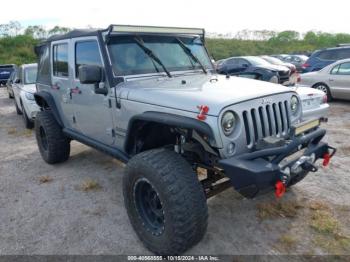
44, 99
166, 119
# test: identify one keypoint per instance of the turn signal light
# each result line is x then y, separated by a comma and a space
203, 111
280, 189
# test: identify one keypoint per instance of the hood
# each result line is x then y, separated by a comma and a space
31, 88
188, 92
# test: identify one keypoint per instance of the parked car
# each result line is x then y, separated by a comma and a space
24, 89
150, 97
253, 64
10, 83
322, 58
280, 56
314, 102
5, 72
333, 80
276, 61
297, 60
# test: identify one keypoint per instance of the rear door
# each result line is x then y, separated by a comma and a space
339, 81
61, 75
93, 111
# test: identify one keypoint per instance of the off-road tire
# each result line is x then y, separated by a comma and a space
18, 110
181, 196
53, 145
29, 124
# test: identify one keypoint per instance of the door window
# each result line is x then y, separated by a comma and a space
60, 60
344, 69
87, 53
335, 70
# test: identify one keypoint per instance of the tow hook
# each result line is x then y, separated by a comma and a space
305, 162
280, 189
326, 159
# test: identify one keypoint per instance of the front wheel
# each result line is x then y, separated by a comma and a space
165, 201
53, 145
29, 124
18, 111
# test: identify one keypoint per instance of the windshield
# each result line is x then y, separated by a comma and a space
30, 75
257, 60
128, 58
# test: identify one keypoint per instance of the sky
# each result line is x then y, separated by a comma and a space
221, 16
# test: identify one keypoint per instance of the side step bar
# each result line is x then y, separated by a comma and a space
112, 151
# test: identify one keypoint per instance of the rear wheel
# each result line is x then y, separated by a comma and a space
165, 201
325, 89
53, 145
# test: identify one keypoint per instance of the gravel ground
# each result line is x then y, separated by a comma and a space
77, 207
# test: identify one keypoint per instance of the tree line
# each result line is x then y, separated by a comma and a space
17, 43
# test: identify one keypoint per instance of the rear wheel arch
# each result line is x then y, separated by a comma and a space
46, 102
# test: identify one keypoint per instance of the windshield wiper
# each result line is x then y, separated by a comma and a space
150, 53
190, 54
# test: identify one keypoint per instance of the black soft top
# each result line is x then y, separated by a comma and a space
73, 34
69, 35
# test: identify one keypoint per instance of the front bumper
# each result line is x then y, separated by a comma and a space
31, 108
258, 172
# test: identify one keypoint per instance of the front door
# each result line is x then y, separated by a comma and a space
340, 81
93, 112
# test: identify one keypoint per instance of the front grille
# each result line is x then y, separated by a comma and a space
266, 120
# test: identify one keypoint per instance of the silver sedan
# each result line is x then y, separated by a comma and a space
334, 80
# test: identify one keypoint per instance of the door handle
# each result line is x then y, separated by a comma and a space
75, 90
55, 86
331, 80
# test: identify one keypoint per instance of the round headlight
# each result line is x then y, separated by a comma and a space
228, 122
294, 104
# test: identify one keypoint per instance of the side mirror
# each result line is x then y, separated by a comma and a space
17, 81
91, 74
245, 65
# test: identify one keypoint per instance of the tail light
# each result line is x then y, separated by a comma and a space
324, 99
305, 65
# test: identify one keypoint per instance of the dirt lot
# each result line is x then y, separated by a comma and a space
77, 207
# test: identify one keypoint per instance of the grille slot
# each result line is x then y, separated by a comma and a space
269, 120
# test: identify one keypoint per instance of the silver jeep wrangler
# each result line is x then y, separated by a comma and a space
149, 96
